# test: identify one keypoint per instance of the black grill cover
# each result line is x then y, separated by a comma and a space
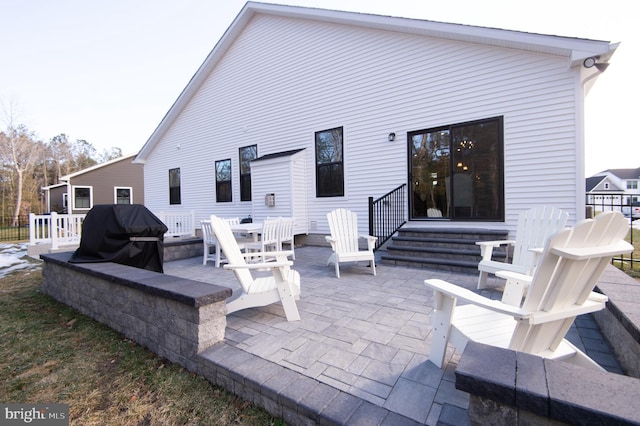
128, 234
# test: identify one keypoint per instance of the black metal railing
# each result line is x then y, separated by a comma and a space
10, 231
387, 214
628, 262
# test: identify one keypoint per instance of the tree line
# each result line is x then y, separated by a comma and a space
28, 164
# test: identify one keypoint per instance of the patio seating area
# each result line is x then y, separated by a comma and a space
359, 353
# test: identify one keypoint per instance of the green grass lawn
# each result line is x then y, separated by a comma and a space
50, 353
634, 271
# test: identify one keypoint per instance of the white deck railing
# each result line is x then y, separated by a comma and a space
55, 229
180, 223
66, 229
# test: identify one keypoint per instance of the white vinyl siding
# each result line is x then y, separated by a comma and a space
283, 79
285, 177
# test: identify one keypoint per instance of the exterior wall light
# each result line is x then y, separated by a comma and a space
392, 137
592, 61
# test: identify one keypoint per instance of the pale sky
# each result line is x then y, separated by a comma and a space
108, 71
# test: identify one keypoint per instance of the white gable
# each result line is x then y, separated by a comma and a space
280, 74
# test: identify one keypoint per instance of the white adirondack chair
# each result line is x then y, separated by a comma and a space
534, 227
344, 238
282, 286
561, 288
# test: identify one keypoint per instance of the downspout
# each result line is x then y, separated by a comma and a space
580, 119
48, 208
69, 199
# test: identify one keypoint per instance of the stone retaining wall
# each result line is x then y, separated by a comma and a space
620, 322
182, 248
508, 387
174, 317
515, 388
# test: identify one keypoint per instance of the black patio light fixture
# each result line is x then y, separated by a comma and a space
392, 137
592, 61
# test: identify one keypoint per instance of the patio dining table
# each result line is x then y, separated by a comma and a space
253, 229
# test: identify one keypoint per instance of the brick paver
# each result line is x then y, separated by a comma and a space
359, 354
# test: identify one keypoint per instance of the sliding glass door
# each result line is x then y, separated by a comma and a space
456, 172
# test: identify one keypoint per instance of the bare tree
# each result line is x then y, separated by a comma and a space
18, 150
27, 164
110, 154
84, 154
60, 154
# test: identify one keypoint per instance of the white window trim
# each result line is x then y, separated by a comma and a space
73, 197
115, 193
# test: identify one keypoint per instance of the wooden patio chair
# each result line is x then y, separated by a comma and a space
241, 237
232, 220
561, 288
433, 212
344, 239
283, 286
285, 235
209, 241
534, 227
268, 240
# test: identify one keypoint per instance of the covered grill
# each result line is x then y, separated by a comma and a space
128, 234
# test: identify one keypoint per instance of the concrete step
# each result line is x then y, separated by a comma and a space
449, 249
472, 234
452, 265
471, 254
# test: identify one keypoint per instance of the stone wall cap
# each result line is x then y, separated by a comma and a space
182, 290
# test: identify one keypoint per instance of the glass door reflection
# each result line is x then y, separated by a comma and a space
429, 168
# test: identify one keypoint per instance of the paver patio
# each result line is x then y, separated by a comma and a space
367, 336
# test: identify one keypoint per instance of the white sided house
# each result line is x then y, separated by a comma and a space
298, 111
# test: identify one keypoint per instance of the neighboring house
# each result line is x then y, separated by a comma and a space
479, 123
614, 187
602, 190
118, 181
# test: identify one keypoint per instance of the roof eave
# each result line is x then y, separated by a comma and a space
97, 166
198, 78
